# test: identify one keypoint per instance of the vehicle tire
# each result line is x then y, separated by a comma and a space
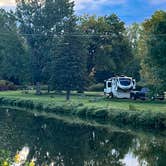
111, 96
133, 97
153, 98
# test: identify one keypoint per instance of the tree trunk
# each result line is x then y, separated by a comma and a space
68, 95
48, 89
38, 91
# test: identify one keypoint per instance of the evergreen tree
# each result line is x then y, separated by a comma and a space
69, 67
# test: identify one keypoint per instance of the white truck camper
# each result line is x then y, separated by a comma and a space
119, 87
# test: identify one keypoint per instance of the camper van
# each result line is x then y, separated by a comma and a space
119, 87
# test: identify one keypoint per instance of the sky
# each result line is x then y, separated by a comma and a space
129, 11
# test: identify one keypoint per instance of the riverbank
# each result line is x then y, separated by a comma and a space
92, 106
66, 136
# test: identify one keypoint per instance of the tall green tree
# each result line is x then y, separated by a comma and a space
69, 67
55, 14
92, 27
121, 51
13, 51
134, 33
155, 59
29, 15
108, 47
41, 22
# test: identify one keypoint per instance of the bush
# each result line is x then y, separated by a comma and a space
39, 106
81, 112
6, 85
102, 113
96, 87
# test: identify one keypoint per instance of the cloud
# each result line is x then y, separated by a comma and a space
94, 4
157, 2
79, 4
8, 3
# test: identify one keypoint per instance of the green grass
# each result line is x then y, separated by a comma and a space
89, 99
92, 105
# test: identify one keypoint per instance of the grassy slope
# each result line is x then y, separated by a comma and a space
92, 106
90, 99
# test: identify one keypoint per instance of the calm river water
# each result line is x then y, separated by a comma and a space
64, 144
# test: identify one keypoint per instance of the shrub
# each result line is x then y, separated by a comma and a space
20, 103
6, 85
39, 106
29, 104
102, 113
81, 111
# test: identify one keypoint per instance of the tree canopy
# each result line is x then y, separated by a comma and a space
13, 51
44, 42
155, 59
108, 47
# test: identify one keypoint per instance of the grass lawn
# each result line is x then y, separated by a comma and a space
89, 99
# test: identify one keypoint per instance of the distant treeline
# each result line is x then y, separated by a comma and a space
44, 42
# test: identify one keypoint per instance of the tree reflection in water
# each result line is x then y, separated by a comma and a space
52, 141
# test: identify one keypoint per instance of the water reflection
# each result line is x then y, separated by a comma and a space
51, 141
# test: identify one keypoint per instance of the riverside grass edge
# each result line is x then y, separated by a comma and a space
135, 118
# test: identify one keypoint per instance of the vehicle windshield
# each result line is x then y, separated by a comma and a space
125, 81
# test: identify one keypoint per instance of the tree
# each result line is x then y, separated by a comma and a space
55, 14
108, 47
121, 51
155, 58
29, 16
42, 22
13, 51
69, 67
92, 27
134, 33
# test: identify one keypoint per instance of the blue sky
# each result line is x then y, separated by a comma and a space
128, 10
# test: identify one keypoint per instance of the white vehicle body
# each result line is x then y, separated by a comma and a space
119, 87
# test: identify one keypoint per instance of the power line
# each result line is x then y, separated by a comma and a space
73, 34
